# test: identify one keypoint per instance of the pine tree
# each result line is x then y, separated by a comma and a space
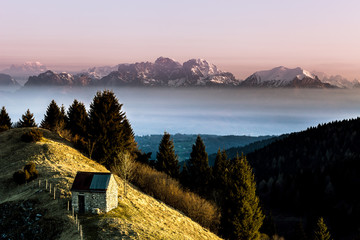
220, 176
27, 120
184, 175
198, 167
128, 138
78, 120
53, 118
220, 168
321, 232
63, 117
243, 214
166, 159
5, 121
106, 128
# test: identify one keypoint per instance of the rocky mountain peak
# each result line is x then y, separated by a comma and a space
7, 80
167, 63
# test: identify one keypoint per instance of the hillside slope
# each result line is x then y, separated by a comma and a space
313, 173
138, 216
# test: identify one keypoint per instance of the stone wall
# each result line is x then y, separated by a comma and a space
112, 195
92, 200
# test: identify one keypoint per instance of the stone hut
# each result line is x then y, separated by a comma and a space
94, 192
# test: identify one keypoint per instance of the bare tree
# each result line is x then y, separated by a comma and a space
90, 147
124, 167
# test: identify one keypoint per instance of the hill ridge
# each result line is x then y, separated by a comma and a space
138, 216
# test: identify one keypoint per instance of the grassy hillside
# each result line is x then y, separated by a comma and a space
138, 216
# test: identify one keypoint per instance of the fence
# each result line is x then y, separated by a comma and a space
56, 195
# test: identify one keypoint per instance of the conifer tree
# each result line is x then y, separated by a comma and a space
63, 117
78, 120
128, 138
220, 175
106, 128
220, 168
166, 159
243, 214
5, 121
184, 175
27, 120
198, 167
321, 232
53, 118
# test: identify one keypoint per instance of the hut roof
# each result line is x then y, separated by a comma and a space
91, 182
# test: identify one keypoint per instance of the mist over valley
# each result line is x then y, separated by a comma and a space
250, 112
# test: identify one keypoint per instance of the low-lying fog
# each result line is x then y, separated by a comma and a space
205, 111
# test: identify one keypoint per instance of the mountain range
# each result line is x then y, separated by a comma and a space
7, 80
22, 72
285, 77
166, 72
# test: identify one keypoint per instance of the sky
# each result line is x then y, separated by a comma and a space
236, 35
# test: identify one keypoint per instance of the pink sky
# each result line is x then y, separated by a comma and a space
237, 36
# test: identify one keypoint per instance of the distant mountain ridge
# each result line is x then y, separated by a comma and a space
166, 72
7, 80
22, 72
284, 77
336, 80
28, 68
50, 78
183, 143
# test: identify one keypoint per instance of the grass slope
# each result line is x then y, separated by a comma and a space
139, 216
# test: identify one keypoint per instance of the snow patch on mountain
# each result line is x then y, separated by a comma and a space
284, 77
100, 72
282, 74
336, 80
168, 72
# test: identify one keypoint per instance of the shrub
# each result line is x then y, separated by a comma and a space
168, 190
33, 135
3, 128
27, 174
19, 177
30, 168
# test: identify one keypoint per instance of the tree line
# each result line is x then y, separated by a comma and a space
101, 133
230, 183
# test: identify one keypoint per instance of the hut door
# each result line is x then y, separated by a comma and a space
81, 204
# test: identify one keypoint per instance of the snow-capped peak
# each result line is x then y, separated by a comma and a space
282, 74
167, 62
201, 66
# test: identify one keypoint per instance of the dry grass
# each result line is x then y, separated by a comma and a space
168, 190
138, 216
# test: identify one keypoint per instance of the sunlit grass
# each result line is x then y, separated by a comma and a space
138, 216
